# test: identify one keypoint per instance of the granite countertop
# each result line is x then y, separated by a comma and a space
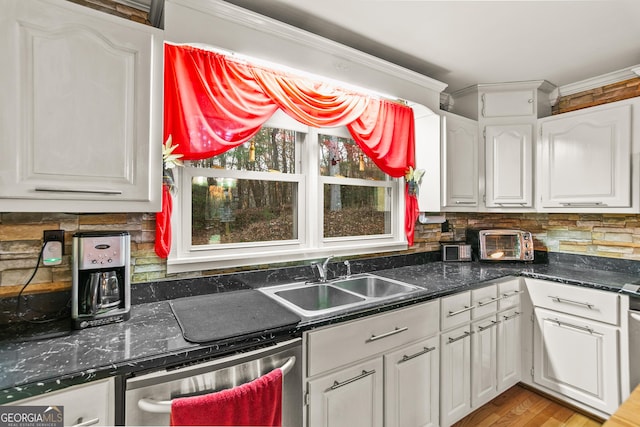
152, 339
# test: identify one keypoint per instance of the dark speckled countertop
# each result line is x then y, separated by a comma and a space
151, 338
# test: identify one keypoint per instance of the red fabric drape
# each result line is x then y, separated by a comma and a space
214, 103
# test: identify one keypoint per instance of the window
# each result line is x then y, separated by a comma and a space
290, 193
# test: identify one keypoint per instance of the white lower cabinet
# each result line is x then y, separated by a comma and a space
89, 404
484, 378
480, 358
351, 397
455, 371
577, 357
412, 384
391, 377
509, 360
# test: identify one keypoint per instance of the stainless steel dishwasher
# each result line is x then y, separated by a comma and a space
148, 397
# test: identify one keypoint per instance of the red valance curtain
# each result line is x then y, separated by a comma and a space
213, 103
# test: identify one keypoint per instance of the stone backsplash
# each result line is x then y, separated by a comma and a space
605, 235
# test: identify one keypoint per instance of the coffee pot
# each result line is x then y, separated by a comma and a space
102, 293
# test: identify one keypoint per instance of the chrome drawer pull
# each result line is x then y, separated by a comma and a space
387, 334
90, 422
583, 204
489, 301
413, 356
516, 314
484, 328
568, 301
510, 294
466, 308
364, 374
72, 190
461, 202
461, 337
570, 325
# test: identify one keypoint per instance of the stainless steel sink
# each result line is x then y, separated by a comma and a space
312, 300
372, 286
318, 297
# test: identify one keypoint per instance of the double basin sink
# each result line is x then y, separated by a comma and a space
311, 300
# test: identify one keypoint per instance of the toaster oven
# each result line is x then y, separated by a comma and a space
501, 245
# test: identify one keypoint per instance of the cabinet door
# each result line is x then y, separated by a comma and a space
483, 361
509, 349
509, 165
585, 159
412, 385
460, 161
455, 385
507, 103
81, 124
577, 357
351, 397
86, 404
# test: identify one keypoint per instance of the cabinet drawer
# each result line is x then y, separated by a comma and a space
91, 403
588, 303
509, 294
484, 301
455, 310
339, 345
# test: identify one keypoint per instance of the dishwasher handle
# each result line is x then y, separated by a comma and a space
164, 406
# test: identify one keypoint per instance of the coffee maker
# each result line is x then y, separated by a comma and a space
100, 287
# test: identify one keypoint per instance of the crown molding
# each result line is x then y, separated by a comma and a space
247, 18
599, 81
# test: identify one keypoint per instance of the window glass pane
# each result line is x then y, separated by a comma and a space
342, 157
351, 210
227, 210
271, 149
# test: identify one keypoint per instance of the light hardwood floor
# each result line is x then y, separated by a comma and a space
521, 407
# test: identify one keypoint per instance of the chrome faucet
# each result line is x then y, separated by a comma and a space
322, 268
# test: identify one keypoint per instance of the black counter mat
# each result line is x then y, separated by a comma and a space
229, 314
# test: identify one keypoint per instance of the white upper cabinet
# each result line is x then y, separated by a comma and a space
460, 163
81, 126
585, 159
427, 136
509, 165
507, 103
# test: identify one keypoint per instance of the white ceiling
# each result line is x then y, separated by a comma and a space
463, 43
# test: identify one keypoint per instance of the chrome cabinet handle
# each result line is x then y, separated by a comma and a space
75, 190
387, 334
461, 337
489, 301
364, 374
462, 202
420, 353
568, 301
510, 294
90, 422
466, 308
516, 314
583, 204
570, 325
484, 328
511, 204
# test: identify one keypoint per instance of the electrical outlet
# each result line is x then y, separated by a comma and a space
53, 247
53, 235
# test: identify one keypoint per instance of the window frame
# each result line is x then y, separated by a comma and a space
310, 244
